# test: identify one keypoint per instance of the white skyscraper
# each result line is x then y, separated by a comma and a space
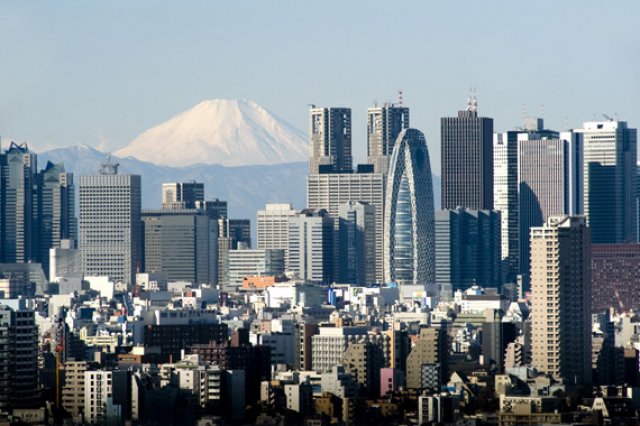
310, 246
110, 228
273, 227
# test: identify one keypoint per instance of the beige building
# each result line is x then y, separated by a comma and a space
427, 364
73, 389
561, 303
364, 360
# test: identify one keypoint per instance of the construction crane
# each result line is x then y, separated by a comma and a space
606, 116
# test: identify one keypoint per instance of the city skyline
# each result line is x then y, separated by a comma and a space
77, 92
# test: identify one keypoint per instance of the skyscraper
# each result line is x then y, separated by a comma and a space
273, 227
548, 175
561, 288
329, 190
311, 246
182, 243
384, 124
18, 166
357, 244
330, 130
467, 160
467, 250
609, 180
55, 210
409, 217
182, 194
110, 231
506, 193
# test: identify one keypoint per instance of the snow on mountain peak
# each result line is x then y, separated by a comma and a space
226, 132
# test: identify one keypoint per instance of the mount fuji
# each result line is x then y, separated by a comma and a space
225, 132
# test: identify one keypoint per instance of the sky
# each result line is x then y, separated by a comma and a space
100, 73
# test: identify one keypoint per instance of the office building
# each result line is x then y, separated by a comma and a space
427, 363
328, 191
561, 288
183, 195
254, 263
357, 245
18, 167
330, 130
409, 217
384, 124
467, 160
181, 243
214, 208
615, 277
110, 231
506, 195
609, 180
18, 359
239, 231
310, 246
273, 228
56, 219
548, 177
467, 250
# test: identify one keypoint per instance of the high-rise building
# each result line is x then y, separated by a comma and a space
505, 200
427, 363
310, 246
18, 359
181, 243
110, 231
409, 233
384, 124
214, 208
506, 192
18, 167
329, 190
55, 210
232, 234
467, 250
467, 160
273, 227
182, 195
357, 244
561, 288
609, 180
548, 176
330, 130
364, 360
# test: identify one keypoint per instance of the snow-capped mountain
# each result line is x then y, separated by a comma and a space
225, 132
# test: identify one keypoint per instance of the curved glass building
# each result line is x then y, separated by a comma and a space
408, 216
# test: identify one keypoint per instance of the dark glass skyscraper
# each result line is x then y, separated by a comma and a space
330, 132
384, 124
467, 161
409, 215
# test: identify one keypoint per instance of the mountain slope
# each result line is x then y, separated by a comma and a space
225, 132
246, 188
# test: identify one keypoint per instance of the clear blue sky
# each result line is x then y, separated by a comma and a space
100, 73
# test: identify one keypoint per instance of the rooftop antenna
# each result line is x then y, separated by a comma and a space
542, 112
524, 111
109, 167
469, 99
400, 98
475, 100
566, 122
